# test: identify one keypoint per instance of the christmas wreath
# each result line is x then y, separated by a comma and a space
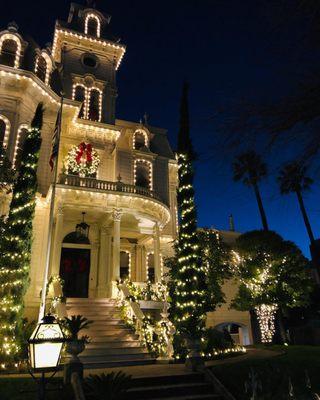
82, 160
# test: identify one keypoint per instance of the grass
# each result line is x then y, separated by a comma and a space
25, 388
273, 373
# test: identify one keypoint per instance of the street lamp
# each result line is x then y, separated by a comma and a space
45, 345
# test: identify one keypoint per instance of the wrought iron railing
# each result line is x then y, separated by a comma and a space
92, 183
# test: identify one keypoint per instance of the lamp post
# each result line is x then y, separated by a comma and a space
45, 345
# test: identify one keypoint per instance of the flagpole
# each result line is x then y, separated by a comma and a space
42, 309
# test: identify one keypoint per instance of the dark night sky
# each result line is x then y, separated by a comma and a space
225, 48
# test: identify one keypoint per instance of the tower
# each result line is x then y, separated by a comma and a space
88, 60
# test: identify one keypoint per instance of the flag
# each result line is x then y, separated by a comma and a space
56, 138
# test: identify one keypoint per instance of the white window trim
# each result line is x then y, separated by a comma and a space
48, 66
92, 16
87, 95
146, 139
10, 36
16, 146
149, 163
7, 131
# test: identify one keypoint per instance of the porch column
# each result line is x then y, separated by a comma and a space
94, 239
57, 241
156, 252
116, 244
102, 278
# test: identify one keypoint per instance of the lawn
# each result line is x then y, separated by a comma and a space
273, 373
25, 388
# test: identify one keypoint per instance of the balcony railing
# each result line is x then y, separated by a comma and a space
92, 183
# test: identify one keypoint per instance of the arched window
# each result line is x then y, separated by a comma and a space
9, 52
92, 25
79, 94
41, 68
150, 268
20, 139
140, 139
94, 113
125, 261
4, 130
143, 174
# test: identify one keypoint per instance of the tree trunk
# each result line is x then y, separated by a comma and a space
305, 216
261, 209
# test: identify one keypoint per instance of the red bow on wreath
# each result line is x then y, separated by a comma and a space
84, 149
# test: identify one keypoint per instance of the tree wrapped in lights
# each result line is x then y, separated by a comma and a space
188, 280
16, 240
273, 276
6, 171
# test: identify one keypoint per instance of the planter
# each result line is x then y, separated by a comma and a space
194, 361
75, 347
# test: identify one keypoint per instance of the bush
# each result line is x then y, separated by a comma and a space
216, 340
112, 386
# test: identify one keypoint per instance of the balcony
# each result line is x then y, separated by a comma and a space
106, 186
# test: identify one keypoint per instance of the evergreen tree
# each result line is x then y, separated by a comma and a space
16, 240
188, 279
6, 171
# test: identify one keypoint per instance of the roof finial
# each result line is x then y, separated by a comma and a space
145, 117
91, 3
231, 223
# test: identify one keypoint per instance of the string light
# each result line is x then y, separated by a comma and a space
11, 36
149, 165
7, 130
95, 17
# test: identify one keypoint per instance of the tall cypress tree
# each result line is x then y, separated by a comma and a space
16, 241
188, 280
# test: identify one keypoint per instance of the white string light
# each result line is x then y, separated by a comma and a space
11, 36
149, 164
16, 147
7, 130
144, 133
92, 16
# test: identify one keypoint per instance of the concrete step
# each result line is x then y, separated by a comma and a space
182, 387
114, 357
85, 300
113, 344
107, 330
116, 351
94, 315
116, 338
117, 363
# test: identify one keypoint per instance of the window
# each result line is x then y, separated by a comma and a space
10, 48
150, 268
91, 100
20, 139
4, 130
89, 61
143, 174
79, 94
92, 25
41, 68
125, 261
94, 105
140, 139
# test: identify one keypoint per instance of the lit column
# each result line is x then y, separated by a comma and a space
57, 240
102, 278
156, 251
116, 244
93, 278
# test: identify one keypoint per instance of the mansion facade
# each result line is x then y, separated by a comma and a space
127, 207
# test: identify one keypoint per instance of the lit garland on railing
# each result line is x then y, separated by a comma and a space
15, 244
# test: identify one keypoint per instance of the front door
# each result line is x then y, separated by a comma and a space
75, 270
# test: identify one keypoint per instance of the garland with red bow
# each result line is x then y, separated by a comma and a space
82, 160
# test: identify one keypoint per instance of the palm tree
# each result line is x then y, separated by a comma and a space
249, 168
293, 179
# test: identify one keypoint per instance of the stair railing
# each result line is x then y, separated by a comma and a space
134, 313
164, 328
55, 295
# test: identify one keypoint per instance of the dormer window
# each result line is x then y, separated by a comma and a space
140, 139
79, 94
41, 68
10, 47
92, 25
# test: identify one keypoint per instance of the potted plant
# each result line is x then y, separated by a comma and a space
75, 345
